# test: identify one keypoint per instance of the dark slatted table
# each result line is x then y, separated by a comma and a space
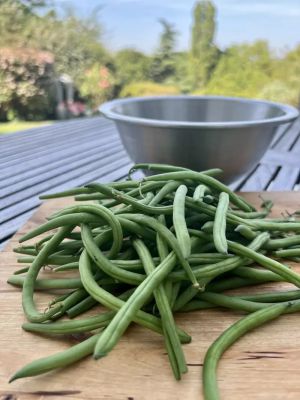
67, 154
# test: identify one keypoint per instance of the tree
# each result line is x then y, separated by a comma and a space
204, 53
243, 70
74, 42
163, 65
131, 65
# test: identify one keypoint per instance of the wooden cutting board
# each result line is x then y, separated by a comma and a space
265, 364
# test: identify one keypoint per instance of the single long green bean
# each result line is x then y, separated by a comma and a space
219, 227
269, 263
66, 220
168, 323
29, 307
161, 194
59, 360
68, 327
238, 329
179, 223
170, 168
286, 253
200, 191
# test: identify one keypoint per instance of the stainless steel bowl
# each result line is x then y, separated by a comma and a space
198, 132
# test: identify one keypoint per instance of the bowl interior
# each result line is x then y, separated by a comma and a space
198, 109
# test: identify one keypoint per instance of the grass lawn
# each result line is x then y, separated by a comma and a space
9, 127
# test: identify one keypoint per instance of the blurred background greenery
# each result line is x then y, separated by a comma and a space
54, 66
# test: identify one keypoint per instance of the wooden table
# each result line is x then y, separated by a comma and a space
73, 153
264, 365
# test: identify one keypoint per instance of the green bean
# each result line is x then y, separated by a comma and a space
274, 244
72, 299
272, 265
175, 291
146, 200
135, 228
206, 258
213, 270
245, 231
272, 297
138, 190
51, 260
200, 191
168, 237
66, 267
105, 214
127, 313
162, 247
69, 327
81, 307
68, 283
234, 282
29, 307
273, 226
287, 253
88, 303
166, 189
126, 199
181, 231
169, 168
85, 190
250, 215
66, 220
110, 301
104, 263
260, 275
185, 297
22, 250
66, 193
59, 360
234, 303
196, 305
175, 351
20, 271
227, 338
207, 180
219, 228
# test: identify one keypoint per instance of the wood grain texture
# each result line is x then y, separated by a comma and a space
264, 364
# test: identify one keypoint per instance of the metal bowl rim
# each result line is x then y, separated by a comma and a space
290, 113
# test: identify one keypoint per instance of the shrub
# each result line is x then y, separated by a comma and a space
25, 76
97, 85
147, 89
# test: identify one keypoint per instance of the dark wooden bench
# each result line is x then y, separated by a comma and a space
68, 154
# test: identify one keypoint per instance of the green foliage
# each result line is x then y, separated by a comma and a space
73, 41
243, 70
97, 85
131, 65
24, 78
204, 54
163, 65
147, 89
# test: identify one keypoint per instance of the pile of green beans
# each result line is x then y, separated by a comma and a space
147, 249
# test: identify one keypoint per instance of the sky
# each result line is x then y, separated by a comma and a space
134, 23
